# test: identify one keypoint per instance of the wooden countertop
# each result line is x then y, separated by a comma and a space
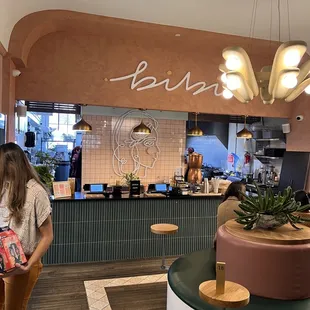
284, 235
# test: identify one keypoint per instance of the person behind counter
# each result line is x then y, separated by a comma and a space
25, 208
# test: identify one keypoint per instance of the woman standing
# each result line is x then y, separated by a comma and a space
25, 208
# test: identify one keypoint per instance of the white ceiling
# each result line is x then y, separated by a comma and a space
224, 16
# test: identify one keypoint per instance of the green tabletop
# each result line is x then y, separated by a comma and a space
187, 272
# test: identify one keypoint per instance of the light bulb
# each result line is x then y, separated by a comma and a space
233, 63
291, 58
224, 78
233, 82
227, 94
307, 90
289, 80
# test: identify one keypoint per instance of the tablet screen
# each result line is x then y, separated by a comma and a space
96, 188
160, 187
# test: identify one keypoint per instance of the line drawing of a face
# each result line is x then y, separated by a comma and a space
132, 152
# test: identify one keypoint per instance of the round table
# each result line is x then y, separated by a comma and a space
189, 271
269, 263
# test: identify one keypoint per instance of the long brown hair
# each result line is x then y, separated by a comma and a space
234, 190
15, 173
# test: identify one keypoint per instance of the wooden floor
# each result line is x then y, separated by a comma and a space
62, 287
136, 297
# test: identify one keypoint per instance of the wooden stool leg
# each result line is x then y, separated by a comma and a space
163, 260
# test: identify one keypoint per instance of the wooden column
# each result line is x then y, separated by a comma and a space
8, 96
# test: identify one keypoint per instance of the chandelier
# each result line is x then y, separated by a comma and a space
282, 80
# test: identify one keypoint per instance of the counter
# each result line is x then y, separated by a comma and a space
91, 230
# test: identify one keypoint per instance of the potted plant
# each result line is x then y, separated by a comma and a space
270, 211
127, 177
46, 168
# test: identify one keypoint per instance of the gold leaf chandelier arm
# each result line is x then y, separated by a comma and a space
280, 91
245, 68
298, 90
244, 90
237, 95
304, 71
265, 96
223, 68
263, 80
283, 60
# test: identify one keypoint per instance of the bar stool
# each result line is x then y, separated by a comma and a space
164, 229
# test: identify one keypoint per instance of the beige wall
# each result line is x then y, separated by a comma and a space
70, 57
98, 149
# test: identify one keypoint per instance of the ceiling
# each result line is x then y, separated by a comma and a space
223, 16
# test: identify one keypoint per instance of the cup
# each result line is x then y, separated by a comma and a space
72, 185
216, 185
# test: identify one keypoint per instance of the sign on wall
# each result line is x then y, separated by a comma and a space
136, 82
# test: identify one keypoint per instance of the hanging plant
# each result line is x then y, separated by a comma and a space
270, 211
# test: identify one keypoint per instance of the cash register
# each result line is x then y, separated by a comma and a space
158, 190
95, 190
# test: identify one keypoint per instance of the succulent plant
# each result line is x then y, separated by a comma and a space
280, 207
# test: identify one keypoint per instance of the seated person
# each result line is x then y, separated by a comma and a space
231, 201
302, 197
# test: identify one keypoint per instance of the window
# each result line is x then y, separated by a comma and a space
63, 123
52, 129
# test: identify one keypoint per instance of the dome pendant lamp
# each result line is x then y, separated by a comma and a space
142, 129
245, 133
82, 125
195, 131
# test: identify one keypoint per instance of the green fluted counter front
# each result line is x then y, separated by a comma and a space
186, 274
118, 229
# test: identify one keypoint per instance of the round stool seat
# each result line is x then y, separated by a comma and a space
235, 296
164, 229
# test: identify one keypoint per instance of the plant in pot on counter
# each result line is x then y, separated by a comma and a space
127, 177
269, 211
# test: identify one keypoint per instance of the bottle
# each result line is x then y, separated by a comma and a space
206, 186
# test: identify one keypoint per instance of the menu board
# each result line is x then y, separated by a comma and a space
135, 188
62, 189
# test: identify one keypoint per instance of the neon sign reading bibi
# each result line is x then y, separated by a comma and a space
142, 66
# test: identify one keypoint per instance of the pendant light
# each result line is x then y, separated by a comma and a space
284, 79
195, 131
82, 125
244, 133
142, 129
